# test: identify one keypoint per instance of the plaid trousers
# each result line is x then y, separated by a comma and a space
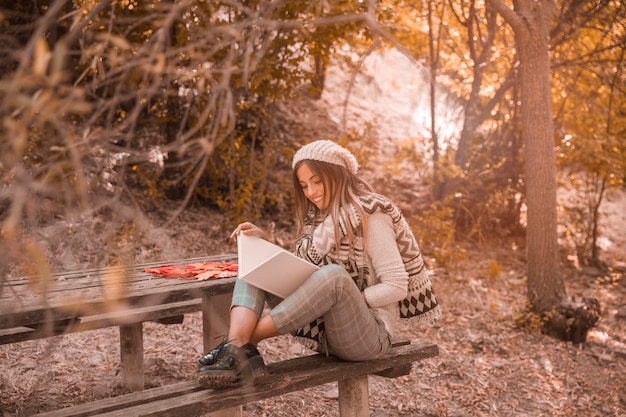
353, 331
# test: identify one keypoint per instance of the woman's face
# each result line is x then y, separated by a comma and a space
312, 186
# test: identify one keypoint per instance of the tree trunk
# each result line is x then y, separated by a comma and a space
531, 23
434, 62
545, 283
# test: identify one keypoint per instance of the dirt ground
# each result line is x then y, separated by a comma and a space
487, 365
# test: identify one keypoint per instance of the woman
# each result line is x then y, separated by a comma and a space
372, 272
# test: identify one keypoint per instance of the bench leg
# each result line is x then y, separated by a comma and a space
131, 352
215, 323
353, 397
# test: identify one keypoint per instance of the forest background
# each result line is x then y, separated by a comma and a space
118, 117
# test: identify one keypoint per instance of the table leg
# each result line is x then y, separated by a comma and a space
215, 323
353, 397
215, 319
131, 354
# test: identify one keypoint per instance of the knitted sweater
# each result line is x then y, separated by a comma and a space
388, 280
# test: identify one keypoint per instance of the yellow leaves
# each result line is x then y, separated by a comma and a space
11, 223
113, 40
41, 57
529, 320
113, 284
15, 130
128, 4
112, 46
492, 270
48, 64
158, 66
36, 264
36, 97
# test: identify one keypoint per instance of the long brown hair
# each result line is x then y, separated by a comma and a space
343, 189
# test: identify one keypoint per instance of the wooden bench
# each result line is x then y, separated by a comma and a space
191, 399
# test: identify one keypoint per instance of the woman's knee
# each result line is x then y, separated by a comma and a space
331, 275
246, 295
333, 269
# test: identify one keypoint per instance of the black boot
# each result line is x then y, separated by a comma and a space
232, 364
211, 357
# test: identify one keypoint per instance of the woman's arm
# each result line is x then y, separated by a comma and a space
387, 263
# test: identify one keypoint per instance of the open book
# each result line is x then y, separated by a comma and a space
270, 267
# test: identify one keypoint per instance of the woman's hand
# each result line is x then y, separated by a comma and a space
250, 230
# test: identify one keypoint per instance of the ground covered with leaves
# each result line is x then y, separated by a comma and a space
487, 365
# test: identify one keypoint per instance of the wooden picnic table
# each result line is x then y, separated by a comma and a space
33, 308
40, 307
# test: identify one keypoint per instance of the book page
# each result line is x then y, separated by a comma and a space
270, 267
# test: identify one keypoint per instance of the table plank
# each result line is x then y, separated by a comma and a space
78, 295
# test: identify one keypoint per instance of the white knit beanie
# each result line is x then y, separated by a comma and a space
327, 151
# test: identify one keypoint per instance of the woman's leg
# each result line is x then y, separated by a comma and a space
236, 358
243, 323
353, 331
246, 324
